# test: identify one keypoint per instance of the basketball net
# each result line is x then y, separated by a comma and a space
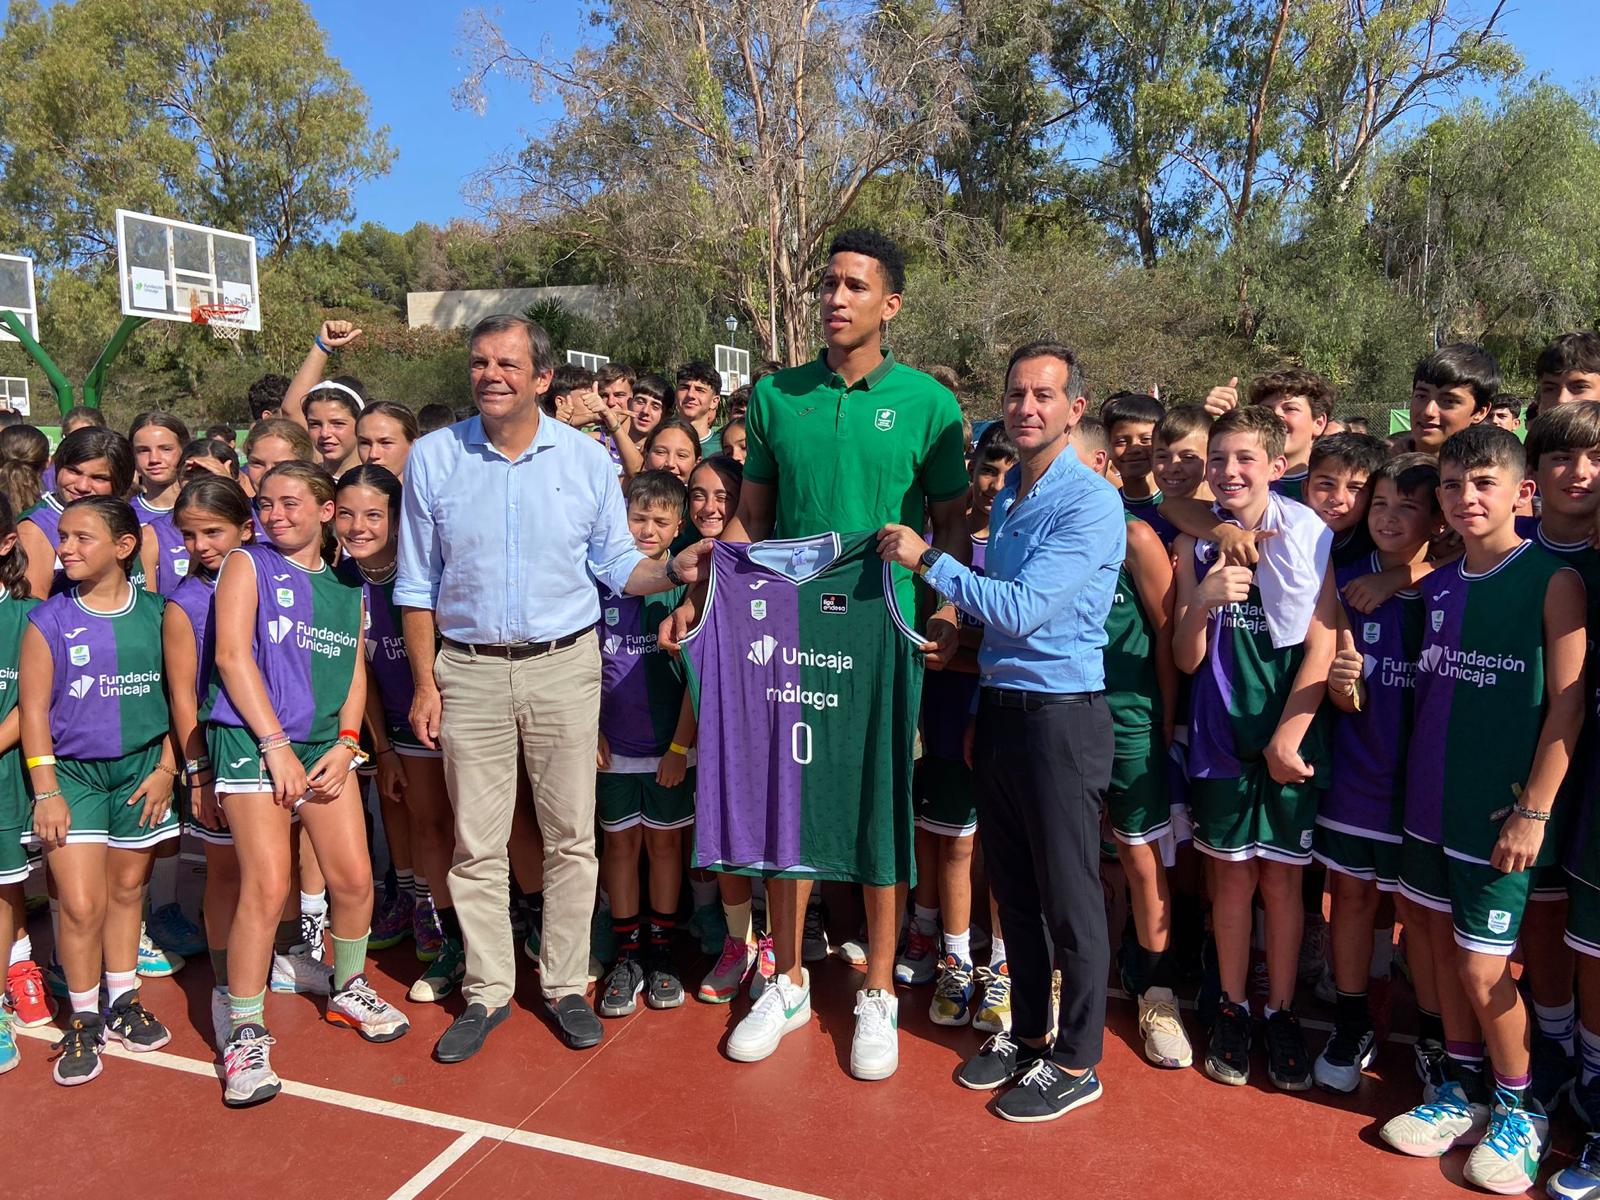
219, 319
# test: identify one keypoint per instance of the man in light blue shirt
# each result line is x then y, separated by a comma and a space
1042, 748
508, 521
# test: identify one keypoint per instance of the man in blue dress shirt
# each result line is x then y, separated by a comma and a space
507, 522
1042, 746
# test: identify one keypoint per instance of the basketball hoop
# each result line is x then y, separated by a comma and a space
220, 319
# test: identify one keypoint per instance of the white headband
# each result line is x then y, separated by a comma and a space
330, 385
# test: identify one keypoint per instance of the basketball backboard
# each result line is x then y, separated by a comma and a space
733, 364
169, 269
14, 394
16, 293
590, 362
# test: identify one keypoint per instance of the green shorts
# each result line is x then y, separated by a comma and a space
1485, 904
1550, 883
14, 863
625, 800
1374, 859
1583, 918
239, 766
1138, 801
945, 802
97, 793
1254, 817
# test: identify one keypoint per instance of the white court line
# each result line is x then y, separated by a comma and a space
412, 1188
661, 1168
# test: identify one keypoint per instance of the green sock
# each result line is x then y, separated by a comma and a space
349, 960
219, 965
246, 1010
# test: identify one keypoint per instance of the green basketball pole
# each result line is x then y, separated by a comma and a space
96, 378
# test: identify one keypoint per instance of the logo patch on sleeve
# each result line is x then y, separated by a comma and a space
835, 602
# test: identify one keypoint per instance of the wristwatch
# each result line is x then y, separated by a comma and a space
929, 557
671, 572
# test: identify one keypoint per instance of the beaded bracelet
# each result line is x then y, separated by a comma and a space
52, 794
173, 771
350, 743
1530, 814
277, 742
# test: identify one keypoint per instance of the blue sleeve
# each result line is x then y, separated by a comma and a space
612, 554
421, 557
1072, 550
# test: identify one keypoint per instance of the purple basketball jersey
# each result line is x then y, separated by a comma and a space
195, 595
172, 560
388, 667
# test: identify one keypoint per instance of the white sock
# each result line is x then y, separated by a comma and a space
420, 889
1558, 1023
406, 881
704, 892
163, 888
85, 1002
959, 945
119, 984
21, 949
313, 905
927, 918
1589, 1044
997, 953
1382, 953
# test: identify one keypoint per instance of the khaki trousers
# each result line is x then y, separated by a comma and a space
547, 709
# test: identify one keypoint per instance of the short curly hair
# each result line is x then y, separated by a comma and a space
872, 244
1319, 393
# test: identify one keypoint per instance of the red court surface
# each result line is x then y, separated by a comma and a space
657, 1110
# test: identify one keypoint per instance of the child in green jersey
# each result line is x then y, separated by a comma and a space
1260, 653
26, 1001
1499, 707
1141, 692
1179, 455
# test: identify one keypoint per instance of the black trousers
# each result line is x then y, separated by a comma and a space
1040, 775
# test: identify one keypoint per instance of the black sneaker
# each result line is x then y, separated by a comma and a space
1349, 1052
1554, 1072
1228, 1055
998, 1061
1429, 1057
623, 985
1288, 1063
130, 1023
663, 988
1047, 1092
80, 1047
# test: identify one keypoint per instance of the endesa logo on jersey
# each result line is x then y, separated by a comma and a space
835, 603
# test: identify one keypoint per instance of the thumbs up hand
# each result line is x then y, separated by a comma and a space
1344, 676
1220, 399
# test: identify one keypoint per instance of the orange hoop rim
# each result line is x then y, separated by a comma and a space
203, 314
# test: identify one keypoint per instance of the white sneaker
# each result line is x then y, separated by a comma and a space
358, 1007
875, 1049
248, 1077
221, 1022
783, 1008
301, 971
1429, 1130
1165, 1042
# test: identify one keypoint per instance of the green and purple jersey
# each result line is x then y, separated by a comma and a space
107, 694
388, 666
172, 560
305, 642
806, 677
196, 596
1480, 701
15, 794
1133, 693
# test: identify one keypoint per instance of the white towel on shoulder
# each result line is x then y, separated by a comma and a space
1293, 563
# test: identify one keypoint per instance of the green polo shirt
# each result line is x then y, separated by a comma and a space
858, 457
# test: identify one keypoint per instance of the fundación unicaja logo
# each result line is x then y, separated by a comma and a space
280, 627
761, 650
80, 686
613, 644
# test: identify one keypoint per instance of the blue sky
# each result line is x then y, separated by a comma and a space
407, 55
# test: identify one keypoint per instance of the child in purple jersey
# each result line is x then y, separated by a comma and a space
91, 461
410, 776
94, 732
644, 792
946, 812
1359, 819
270, 632
213, 515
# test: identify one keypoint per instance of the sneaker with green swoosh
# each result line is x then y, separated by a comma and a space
1507, 1160
783, 1007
